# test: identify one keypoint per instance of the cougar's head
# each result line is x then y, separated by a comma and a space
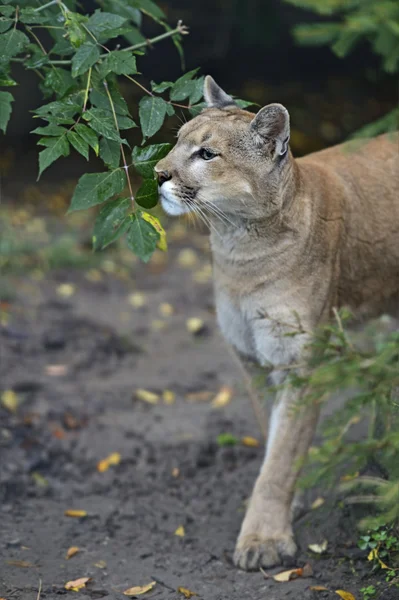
227, 160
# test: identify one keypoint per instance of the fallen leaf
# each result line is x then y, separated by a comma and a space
56, 370
112, 459
317, 503
137, 300
10, 401
147, 396
72, 551
58, 433
250, 441
77, 584
24, 564
318, 588
66, 290
195, 325
39, 479
223, 397
166, 310
345, 595
289, 575
186, 593
71, 512
101, 564
373, 555
140, 589
168, 397
318, 548
203, 396
187, 258
180, 531
175, 472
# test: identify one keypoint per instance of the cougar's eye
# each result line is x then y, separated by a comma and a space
206, 154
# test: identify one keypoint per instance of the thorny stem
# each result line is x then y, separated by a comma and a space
125, 166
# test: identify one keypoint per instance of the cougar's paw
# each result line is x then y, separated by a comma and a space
253, 552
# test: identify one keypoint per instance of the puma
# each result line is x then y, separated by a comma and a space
291, 240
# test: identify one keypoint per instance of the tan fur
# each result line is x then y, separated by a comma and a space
291, 240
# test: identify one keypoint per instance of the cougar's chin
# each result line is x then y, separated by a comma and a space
170, 203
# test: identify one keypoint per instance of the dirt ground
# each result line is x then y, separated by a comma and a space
75, 363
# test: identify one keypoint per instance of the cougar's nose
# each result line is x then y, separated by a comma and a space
163, 176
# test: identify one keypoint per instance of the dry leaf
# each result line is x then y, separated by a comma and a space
10, 401
285, 576
147, 396
195, 325
180, 531
137, 300
186, 593
72, 551
112, 459
317, 503
318, 588
168, 396
175, 472
203, 396
223, 397
101, 564
345, 595
77, 584
187, 258
140, 589
373, 554
71, 512
66, 290
250, 441
24, 564
165, 309
56, 370
318, 548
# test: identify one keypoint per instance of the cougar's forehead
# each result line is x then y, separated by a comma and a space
214, 128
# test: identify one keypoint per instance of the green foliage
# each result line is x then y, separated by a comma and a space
80, 59
355, 21
382, 545
227, 439
369, 592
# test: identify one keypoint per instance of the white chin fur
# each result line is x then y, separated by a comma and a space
171, 205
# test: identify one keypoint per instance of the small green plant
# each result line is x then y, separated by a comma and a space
368, 592
227, 439
383, 546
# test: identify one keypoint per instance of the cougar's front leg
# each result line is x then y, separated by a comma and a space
266, 536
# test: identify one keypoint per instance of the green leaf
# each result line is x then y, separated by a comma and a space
112, 221
30, 16
7, 10
227, 439
59, 81
184, 86
119, 62
198, 90
198, 108
78, 143
86, 56
142, 237
102, 123
88, 135
145, 159
37, 58
12, 43
152, 113
62, 109
5, 24
316, 34
5, 109
6, 81
56, 147
149, 8
74, 26
95, 188
51, 129
244, 103
124, 10
99, 99
159, 88
110, 152
103, 23
147, 194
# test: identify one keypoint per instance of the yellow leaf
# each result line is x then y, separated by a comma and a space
140, 589
318, 548
195, 325
168, 396
72, 551
180, 531
137, 300
10, 401
101, 564
112, 459
147, 396
345, 595
285, 576
372, 554
155, 222
66, 290
318, 588
317, 503
77, 584
250, 441
186, 593
203, 396
71, 512
223, 397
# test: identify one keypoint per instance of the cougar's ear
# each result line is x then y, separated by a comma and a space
272, 122
214, 96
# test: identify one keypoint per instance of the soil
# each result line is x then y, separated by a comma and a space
172, 472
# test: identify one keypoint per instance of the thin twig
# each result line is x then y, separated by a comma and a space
40, 590
341, 329
147, 91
